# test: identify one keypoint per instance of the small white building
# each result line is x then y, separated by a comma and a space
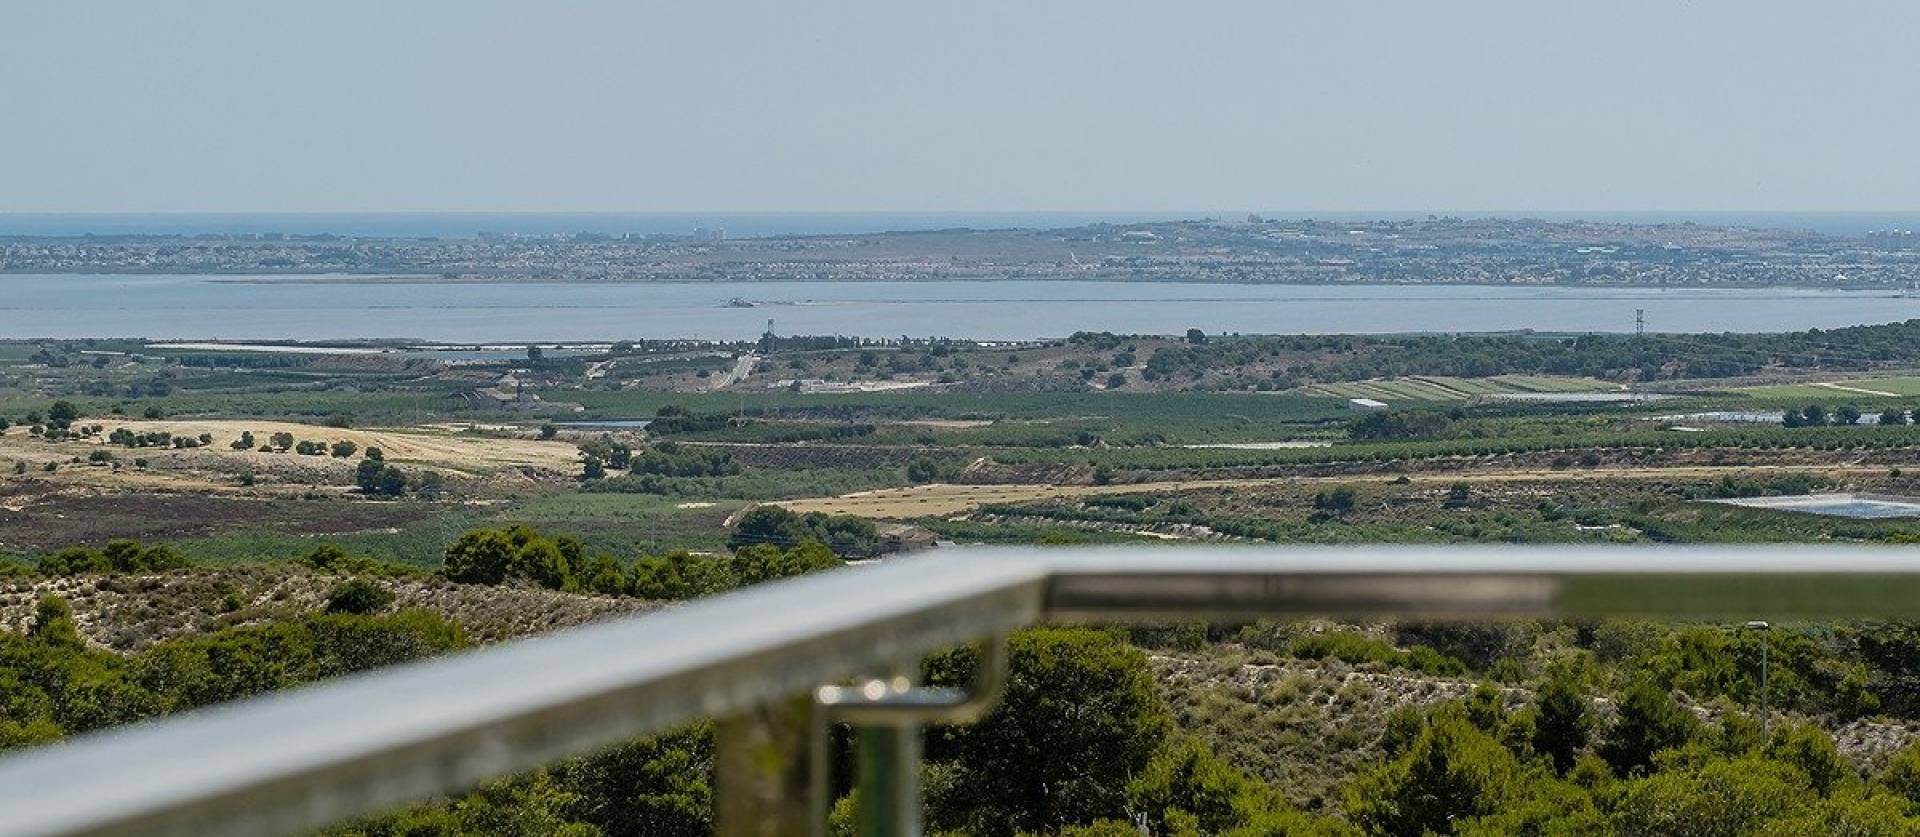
1365, 404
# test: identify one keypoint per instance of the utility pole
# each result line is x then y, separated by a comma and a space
1639, 322
1766, 720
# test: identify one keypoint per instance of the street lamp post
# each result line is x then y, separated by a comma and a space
1766, 719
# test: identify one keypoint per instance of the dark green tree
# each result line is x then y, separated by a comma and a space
1335, 502
1722, 798
922, 469
62, 414
125, 555
358, 596
1901, 775
1398, 424
378, 479
482, 556
658, 787
1811, 750
1079, 719
1649, 720
1453, 772
53, 623
1459, 495
1563, 721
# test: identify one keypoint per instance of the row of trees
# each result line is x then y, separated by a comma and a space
1615, 357
1845, 415
775, 526
1459, 444
123, 555
666, 459
523, 554
283, 441
64, 434
61, 415
1398, 424
673, 419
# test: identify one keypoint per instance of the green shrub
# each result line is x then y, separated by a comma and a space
358, 596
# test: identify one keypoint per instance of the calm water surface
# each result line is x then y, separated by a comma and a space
203, 307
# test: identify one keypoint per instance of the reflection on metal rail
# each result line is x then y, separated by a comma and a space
312, 756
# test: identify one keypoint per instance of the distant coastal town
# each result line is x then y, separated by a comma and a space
1256, 250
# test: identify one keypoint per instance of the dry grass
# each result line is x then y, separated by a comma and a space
128, 613
216, 467
425, 446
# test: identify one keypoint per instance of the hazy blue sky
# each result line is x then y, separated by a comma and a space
903, 104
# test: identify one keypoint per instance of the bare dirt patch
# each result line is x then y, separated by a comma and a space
40, 515
1862, 390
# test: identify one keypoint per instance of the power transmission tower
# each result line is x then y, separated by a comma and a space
1639, 322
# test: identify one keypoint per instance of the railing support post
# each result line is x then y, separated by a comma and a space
888, 776
888, 716
763, 771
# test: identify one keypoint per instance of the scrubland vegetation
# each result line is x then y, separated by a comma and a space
191, 527
1587, 728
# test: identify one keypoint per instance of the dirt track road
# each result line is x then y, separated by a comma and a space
943, 499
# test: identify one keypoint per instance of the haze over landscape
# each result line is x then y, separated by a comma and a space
460, 418
1500, 105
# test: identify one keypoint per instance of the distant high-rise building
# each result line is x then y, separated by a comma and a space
709, 234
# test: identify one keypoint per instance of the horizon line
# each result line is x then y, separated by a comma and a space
1122, 211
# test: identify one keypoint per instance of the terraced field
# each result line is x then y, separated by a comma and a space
1443, 388
1864, 388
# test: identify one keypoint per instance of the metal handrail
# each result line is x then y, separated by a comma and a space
312, 756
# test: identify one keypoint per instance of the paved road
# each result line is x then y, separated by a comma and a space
742, 367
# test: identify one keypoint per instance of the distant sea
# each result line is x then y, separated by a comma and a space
757, 224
